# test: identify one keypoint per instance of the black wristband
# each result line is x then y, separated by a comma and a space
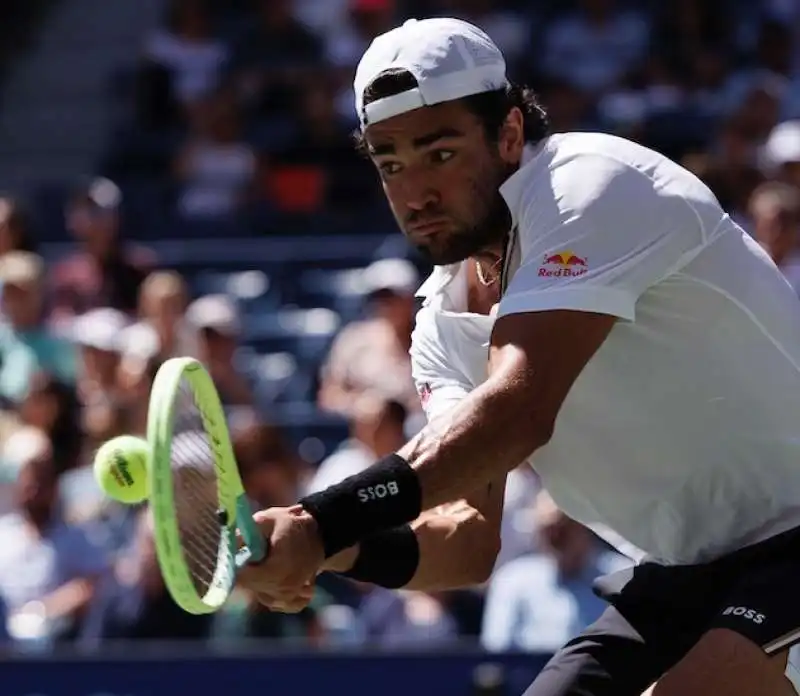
385, 495
389, 559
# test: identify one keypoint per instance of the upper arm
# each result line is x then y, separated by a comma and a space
601, 237
611, 233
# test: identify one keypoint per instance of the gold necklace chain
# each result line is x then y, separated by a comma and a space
482, 279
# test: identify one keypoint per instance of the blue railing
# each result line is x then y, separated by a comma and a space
448, 674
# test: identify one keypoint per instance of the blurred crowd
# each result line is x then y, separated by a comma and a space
242, 110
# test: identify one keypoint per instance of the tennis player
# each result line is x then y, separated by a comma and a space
644, 357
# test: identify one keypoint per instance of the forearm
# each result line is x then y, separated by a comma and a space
70, 599
457, 548
488, 434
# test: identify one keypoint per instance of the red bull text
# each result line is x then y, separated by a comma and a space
564, 264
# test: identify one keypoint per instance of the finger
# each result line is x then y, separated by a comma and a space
256, 578
292, 606
283, 605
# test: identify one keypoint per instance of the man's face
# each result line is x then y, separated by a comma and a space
91, 225
22, 305
36, 488
442, 177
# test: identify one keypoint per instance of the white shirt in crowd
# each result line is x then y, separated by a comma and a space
681, 433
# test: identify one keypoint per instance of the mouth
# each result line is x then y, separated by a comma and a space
428, 227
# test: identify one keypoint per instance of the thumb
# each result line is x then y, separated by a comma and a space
265, 524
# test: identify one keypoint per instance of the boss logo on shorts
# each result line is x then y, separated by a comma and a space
378, 492
745, 613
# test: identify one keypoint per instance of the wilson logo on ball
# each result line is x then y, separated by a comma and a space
120, 471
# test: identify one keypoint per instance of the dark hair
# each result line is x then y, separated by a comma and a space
20, 222
784, 198
490, 107
66, 432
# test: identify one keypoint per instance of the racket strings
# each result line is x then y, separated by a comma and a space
196, 494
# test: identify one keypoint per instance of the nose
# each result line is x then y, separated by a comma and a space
418, 193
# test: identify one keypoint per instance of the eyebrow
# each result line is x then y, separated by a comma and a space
421, 141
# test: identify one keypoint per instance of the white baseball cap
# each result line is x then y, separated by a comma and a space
101, 329
449, 58
397, 275
782, 146
217, 312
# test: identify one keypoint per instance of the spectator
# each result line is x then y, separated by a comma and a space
48, 568
366, 19
52, 407
775, 210
780, 156
135, 374
105, 273
406, 619
271, 54
27, 345
538, 602
594, 47
518, 533
772, 66
507, 27
271, 471
99, 335
163, 300
16, 230
134, 604
372, 355
216, 319
215, 168
729, 168
376, 430
319, 168
186, 47
688, 27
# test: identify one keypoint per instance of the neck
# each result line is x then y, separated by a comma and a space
482, 292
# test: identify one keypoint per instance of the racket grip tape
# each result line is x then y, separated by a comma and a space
385, 495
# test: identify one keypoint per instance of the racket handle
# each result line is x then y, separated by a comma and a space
256, 545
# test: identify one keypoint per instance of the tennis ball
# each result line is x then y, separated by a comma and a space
120, 467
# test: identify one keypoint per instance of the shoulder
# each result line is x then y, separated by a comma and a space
357, 334
6, 333
10, 522
587, 167
140, 257
606, 184
72, 265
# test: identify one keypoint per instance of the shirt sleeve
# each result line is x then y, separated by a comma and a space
604, 232
439, 382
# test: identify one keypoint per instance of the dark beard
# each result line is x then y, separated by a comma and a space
486, 233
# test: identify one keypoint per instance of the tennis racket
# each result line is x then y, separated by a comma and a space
196, 494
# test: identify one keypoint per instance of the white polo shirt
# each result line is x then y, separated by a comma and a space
682, 434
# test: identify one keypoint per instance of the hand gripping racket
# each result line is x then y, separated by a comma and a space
196, 494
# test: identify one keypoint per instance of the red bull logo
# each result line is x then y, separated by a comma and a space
564, 264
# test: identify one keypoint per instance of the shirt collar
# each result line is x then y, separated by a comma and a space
511, 189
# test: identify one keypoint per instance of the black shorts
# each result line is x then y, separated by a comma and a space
658, 613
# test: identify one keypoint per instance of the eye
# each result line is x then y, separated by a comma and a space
441, 156
389, 168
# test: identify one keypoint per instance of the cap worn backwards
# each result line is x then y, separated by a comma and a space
449, 58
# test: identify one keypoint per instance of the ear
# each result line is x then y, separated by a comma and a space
512, 137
